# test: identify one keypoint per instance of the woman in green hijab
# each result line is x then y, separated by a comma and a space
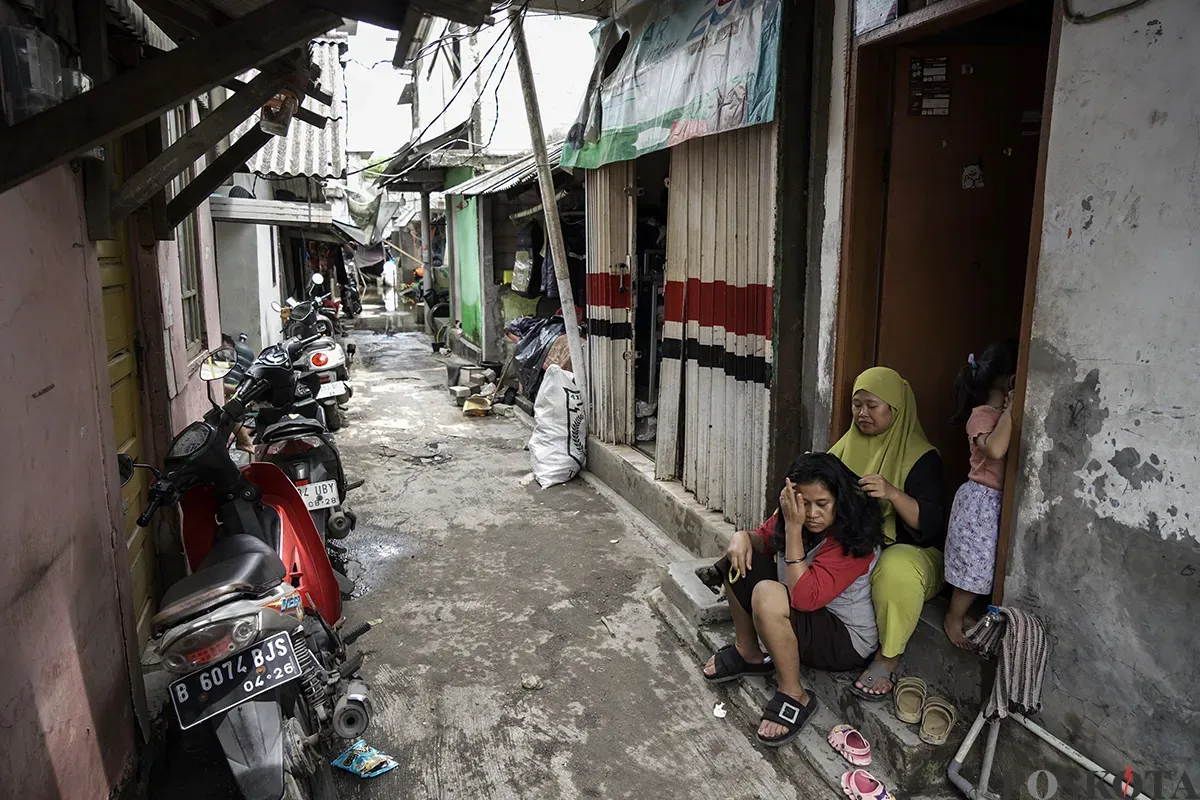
887, 447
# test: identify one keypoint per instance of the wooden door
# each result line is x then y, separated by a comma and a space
610, 253
120, 324
959, 201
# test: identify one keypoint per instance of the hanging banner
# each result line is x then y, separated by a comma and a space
689, 68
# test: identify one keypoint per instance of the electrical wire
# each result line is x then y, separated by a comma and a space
1082, 19
462, 85
499, 83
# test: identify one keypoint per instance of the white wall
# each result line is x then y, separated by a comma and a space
248, 268
375, 121
561, 53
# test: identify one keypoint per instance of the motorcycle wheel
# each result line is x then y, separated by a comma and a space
317, 786
335, 418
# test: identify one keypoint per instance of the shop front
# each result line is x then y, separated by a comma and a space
681, 202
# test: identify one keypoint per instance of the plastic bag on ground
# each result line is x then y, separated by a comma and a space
558, 446
531, 352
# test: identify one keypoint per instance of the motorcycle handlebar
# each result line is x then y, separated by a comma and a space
151, 507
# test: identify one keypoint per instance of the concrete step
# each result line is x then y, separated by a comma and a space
958, 675
683, 587
900, 759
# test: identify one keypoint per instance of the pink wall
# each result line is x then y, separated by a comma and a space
66, 718
189, 400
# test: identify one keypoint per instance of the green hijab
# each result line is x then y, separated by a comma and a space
892, 453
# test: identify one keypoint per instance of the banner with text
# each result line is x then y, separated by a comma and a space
691, 68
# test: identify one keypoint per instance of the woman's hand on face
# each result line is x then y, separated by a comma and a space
790, 508
740, 552
878, 487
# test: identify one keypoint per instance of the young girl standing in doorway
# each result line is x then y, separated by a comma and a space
975, 517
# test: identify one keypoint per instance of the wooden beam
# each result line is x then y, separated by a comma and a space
142, 147
193, 144
127, 101
215, 174
384, 13
320, 95
303, 114
97, 175
173, 17
933, 18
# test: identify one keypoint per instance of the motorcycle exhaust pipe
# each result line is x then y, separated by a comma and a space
352, 714
338, 525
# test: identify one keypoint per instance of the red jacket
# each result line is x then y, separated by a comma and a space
830, 573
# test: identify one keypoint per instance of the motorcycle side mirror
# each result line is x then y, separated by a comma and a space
318, 278
218, 364
276, 306
125, 466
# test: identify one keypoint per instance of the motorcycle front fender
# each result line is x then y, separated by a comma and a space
252, 737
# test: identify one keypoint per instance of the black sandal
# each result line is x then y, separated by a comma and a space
730, 666
787, 711
873, 675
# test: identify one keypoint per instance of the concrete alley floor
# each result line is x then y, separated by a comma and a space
481, 579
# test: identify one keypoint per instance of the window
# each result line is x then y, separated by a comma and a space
187, 239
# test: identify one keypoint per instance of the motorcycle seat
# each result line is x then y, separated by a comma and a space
237, 565
288, 428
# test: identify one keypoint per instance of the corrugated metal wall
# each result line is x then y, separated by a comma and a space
610, 209
714, 397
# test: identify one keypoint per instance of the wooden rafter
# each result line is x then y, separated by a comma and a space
194, 143
235, 84
215, 174
129, 100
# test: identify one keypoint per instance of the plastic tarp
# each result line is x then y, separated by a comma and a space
692, 68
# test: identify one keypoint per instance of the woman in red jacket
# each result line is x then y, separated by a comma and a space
802, 583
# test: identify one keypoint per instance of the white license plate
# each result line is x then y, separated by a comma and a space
331, 389
319, 495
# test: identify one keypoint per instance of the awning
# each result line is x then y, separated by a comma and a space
350, 233
412, 154
269, 212
512, 175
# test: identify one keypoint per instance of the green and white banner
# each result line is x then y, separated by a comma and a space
690, 68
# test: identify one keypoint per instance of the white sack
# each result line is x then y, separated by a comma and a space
558, 446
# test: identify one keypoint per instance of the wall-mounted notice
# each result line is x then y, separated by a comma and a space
928, 87
872, 14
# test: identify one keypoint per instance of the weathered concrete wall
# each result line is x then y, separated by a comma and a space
1107, 546
825, 233
66, 715
247, 264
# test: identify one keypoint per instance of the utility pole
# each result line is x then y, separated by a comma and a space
426, 263
546, 183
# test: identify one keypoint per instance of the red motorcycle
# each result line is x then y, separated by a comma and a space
253, 631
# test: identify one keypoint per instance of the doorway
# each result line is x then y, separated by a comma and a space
944, 142
650, 274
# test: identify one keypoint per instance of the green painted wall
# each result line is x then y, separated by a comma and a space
466, 253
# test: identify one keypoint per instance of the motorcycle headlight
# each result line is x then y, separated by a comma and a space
189, 440
210, 643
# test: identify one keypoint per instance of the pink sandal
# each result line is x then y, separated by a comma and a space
862, 785
851, 744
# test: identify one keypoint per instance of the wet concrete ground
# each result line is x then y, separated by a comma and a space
481, 580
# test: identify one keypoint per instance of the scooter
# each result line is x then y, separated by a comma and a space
307, 454
252, 632
325, 359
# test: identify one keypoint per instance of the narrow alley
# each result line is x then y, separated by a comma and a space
483, 580
477, 582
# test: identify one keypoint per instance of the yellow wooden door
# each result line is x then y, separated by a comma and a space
120, 323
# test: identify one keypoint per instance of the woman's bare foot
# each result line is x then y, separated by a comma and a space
773, 730
955, 628
755, 656
883, 684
